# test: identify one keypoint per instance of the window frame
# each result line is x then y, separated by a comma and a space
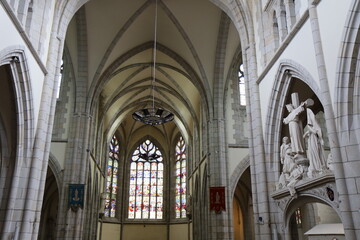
120, 177
126, 185
174, 177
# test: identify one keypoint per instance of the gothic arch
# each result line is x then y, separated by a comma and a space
238, 172
243, 23
154, 141
347, 83
303, 199
114, 123
287, 70
14, 58
56, 169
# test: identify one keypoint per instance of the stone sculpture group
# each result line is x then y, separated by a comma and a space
297, 162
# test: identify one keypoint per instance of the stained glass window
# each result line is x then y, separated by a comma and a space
242, 85
180, 179
146, 182
112, 178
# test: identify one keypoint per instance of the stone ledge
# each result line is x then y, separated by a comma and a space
305, 184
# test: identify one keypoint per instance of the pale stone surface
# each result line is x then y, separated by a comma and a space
281, 44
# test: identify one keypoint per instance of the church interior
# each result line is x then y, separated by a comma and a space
180, 119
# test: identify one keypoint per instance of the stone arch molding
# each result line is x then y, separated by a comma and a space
14, 56
57, 170
238, 172
287, 70
347, 82
289, 204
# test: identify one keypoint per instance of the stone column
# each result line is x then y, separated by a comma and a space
219, 223
340, 177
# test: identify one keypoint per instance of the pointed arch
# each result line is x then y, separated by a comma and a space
287, 70
180, 178
146, 187
347, 82
56, 169
304, 199
238, 172
14, 59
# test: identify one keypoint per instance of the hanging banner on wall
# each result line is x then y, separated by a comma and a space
76, 197
217, 199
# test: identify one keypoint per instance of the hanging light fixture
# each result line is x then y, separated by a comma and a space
153, 115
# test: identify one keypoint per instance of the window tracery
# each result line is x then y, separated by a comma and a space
180, 179
112, 178
146, 182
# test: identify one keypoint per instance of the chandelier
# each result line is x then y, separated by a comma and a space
153, 115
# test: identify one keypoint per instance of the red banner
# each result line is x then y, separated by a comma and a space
217, 199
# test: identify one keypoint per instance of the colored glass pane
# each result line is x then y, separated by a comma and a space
146, 182
180, 179
112, 178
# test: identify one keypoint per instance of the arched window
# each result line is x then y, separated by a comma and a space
112, 178
180, 179
60, 79
242, 85
146, 182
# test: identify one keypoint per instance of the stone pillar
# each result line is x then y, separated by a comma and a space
258, 167
219, 223
77, 166
339, 173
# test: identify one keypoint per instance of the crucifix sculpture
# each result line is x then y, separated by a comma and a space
296, 130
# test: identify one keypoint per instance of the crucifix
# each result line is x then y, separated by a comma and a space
296, 130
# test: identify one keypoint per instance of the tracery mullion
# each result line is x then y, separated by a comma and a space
180, 179
157, 190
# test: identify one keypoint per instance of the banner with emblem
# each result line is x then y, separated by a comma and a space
76, 197
217, 199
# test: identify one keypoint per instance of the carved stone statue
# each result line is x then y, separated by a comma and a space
284, 146
295, 125
291, 172
295, 129
286, 157
317, 162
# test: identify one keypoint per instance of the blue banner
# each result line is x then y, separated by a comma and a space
76, 196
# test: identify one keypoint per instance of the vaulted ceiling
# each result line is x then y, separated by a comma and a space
119, 39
